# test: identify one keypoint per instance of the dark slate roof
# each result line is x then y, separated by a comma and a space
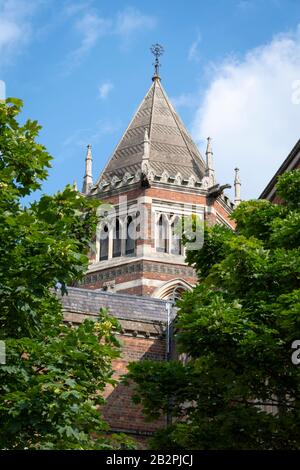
291, 162
171, 147
121, 306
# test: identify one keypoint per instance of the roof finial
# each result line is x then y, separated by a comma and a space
237, 187
210, 172
88, 178
157, 50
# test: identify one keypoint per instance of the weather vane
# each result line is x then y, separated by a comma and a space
157, 50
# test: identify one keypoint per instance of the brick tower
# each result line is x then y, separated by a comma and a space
155, 178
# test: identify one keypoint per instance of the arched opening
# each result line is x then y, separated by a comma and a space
130, 241
172, 290
176, 242
104, 240
162, 234
117, 239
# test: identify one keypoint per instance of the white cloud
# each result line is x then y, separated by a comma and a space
131, 20
250, 111
10, 33
104, 90
15, 26
193, 53
185, 100
92, 27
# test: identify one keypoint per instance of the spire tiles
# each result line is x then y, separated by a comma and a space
155, 135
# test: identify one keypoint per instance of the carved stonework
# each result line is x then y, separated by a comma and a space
109, 286
145, 168
192, 181
126, 177
165, 177
138, 176
205, 182
114, 181
102, 184
151, 175
178, 179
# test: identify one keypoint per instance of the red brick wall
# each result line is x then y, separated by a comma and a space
119, 411
224, 213
131, 194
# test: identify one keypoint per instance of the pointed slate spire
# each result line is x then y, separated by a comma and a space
88, 177
170, 146
210, 172
237, 187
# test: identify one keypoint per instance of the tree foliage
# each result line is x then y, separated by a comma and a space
239, 388
51, 385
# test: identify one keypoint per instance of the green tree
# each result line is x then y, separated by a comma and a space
51, 385
236, 329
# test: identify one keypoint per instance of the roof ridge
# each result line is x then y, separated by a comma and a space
152, 109
94, 292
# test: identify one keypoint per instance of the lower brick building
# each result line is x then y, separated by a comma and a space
145, 334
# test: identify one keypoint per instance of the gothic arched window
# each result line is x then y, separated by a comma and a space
130, 242
162, 234
176, 244
104, 240
117, 239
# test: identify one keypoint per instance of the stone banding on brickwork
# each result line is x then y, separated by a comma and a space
140, 267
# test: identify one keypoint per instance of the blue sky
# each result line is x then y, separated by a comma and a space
231, 67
